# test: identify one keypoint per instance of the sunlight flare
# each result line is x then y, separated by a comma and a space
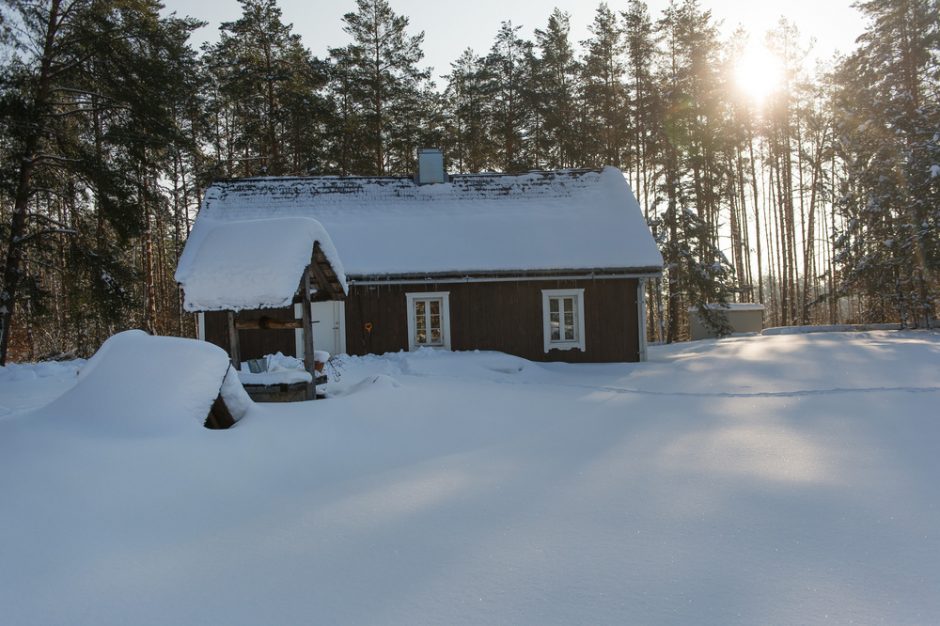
758, 73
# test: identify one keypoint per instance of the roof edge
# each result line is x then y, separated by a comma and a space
244, 179
507, 275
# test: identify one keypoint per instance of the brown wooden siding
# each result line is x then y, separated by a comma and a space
253, 344
504, 316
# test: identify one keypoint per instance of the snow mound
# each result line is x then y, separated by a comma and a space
233, 393
278, 369
474, 364
831, 328
372, 383
138, 386
381, 371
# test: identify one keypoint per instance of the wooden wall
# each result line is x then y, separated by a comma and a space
504, 316
253, 344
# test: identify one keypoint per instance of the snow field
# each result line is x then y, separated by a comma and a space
772, 480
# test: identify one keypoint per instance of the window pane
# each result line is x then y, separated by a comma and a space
569, 325
429, 321
421, 322
563, 318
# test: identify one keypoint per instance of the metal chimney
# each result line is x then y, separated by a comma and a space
430, 167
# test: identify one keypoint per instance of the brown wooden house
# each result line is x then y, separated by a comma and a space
549, 266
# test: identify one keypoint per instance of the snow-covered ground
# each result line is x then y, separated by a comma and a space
758, 480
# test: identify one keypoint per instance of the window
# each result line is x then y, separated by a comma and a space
428, 320
563, 319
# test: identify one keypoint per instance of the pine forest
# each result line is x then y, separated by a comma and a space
820, 200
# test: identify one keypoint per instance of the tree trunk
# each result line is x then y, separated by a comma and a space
12, 270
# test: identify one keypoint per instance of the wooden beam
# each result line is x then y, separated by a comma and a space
234, 350
268, 323
322, 281
326, 275
308, 333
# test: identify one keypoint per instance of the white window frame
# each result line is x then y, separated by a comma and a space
444, 296
579, 342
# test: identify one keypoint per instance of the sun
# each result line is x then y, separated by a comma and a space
758, 73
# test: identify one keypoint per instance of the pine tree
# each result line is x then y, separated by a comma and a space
741, 128
506, 67
555, 90
698, 273
468, 113
888, 112
85, 104
385, 86
643, 101
267, 84
347, 130
603, 94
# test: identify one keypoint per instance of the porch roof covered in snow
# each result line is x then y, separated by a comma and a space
564, 222
258, 264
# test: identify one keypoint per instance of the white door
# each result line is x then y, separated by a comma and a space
329, 326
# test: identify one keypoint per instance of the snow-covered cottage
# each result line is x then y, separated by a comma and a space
549, 266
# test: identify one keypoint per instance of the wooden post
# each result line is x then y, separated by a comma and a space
234, 350
308, 334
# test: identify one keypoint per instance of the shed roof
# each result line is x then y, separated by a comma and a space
731, 306
255, 264
577, 220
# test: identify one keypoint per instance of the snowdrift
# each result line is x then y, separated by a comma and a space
138, 385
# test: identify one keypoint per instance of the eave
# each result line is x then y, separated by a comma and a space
504, 276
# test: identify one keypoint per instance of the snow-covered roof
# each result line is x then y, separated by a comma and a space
580, 220
252, 263
731, 306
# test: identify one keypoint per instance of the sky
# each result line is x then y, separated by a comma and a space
451, 27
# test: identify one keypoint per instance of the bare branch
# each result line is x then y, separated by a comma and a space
18, 241
54, 158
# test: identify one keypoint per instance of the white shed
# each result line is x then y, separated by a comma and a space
743, 317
